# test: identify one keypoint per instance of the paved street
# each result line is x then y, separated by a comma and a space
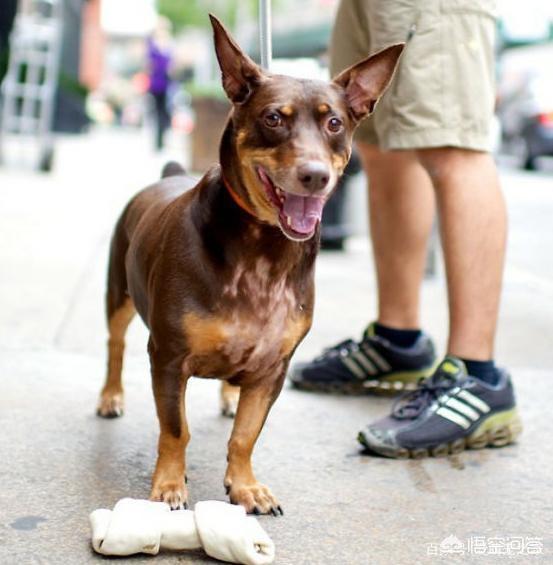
59, 462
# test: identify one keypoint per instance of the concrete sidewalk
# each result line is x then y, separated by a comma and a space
59, 461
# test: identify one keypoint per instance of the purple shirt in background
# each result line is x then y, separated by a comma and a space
159, 61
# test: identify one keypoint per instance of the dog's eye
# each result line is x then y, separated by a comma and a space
273, 120
334, 125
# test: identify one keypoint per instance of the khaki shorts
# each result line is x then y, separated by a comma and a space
443, 91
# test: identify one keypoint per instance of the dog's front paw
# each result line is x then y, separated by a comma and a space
174, 493
255, 498
111, 404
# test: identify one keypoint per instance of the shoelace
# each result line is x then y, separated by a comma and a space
411, 404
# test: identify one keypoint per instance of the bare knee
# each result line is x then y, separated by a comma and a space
388, 172
375, 159
368, 153
443, 162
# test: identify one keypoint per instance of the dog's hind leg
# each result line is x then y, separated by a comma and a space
120, 311
229, 399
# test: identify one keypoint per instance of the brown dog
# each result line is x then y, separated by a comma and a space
222, 272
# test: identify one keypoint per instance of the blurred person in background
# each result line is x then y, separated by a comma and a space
425, 147
159, 65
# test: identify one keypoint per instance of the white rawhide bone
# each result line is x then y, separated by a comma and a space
224, 531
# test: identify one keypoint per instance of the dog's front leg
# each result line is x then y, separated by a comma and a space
255, 402
169, 384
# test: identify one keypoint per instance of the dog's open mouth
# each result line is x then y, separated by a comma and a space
298, 215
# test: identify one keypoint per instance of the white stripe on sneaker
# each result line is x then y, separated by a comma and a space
453, 417
353, 367
376, 357
463, 408
474, 400
362, 358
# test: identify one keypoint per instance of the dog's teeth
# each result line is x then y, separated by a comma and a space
289, 221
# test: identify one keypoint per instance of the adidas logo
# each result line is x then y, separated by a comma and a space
462, 407
365, 359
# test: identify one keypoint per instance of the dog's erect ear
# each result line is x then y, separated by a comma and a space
367, 80
240, 74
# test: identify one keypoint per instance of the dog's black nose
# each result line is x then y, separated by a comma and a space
313, 175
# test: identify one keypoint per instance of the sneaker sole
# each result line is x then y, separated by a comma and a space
498, 430
391, 384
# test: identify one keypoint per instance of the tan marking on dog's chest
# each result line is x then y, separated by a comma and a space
259, 321
204, 334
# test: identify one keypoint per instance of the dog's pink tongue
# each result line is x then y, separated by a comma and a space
303, 212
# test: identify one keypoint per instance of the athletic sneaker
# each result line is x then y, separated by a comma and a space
448, 412
372, 364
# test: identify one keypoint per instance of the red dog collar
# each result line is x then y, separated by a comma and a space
237, 198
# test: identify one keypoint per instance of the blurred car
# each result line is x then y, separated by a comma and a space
525, 104
527, 120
